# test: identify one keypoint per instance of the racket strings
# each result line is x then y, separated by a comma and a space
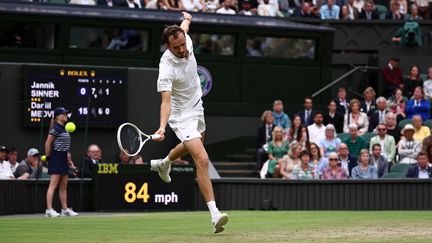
130, 139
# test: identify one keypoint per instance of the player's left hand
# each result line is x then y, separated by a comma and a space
186, 15
161, 132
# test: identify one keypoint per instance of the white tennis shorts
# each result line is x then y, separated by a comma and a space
189, 124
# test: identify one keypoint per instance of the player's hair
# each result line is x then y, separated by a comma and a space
171, 30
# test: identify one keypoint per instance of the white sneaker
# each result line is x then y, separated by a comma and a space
219, 221
51, 213
163, 170
68, 212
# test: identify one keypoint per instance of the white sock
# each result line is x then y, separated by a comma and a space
166, 161
212, 208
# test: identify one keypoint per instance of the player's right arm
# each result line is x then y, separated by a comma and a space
165, 112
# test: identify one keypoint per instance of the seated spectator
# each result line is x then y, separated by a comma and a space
392, 76
277, 149
329, 10
129, 4
108, 3
423, 8
409, 34
412, 81
334, 171
378, 116
408, 147
378, 160
305, 11
344, 13
347, 162
331, 142
386, 142
137, 160
73, 170
83, 2
421, 132
427, 84
289, 162
284, 7
403, 6
421, 170
356, 117
297, 132
267, 9
264, 137
354, 142
392, 127
304, 170
369, 12
316, 131
341, 101
414, 14
94, 157
30, 167
359, 4
319, 162
368, 104
173, 5
253, 5
397, 103
246, 8
226, 8
418, 105
307, 113
5, 166
13, 158
124, 159
394, 12
353, 12
192, 5
364, 170
280, 117
334, 117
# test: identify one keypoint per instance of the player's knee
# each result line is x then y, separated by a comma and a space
202, 161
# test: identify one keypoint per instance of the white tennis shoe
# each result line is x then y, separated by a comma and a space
51, 213
162, 169
219, 221
68, 212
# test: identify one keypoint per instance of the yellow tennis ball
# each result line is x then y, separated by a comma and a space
43, 158
70, 127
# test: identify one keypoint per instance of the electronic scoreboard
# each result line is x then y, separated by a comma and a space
93, 92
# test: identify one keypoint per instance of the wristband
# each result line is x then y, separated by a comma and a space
190, 20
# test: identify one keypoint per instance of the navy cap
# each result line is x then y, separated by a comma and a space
3, 148
60, 110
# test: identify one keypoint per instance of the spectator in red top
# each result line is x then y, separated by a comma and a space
392, 76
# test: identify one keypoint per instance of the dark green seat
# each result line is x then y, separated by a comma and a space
404, 122
393, 175
400, 168
382, 10
367, 136
343, 136
428, 123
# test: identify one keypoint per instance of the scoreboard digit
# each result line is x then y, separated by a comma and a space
75, 87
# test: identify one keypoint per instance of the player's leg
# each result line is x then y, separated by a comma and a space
50, 212
63, 197
196, 149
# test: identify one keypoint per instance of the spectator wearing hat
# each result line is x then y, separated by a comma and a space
57, 146
421, 170
246, 8
29, 168
408, 148
5, 168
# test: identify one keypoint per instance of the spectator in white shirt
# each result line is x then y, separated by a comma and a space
226, 8
83, 2
12, 158
427, 84
269, 10
193, 5
317, 129
408, 148
5, 168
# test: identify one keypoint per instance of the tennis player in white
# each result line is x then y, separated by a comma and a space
181, 107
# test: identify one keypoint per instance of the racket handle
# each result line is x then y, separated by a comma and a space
155, 136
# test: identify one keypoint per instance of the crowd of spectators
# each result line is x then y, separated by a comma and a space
354, 138
329, 9
32, 167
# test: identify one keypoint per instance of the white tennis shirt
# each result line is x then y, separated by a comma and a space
179, 75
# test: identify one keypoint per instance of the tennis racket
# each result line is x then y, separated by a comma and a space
131, 139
